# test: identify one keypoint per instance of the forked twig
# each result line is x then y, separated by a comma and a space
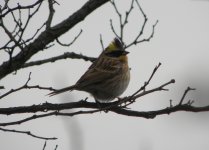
185, 93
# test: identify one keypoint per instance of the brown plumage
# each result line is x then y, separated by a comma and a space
107, 78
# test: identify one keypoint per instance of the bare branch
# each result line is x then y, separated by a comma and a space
160, 88
56, 147
184, 95
119, 106
26, 86
27, 133
16, 36
136, 40
56, 108
128, 13
34, 35
66, 55
147, 82
30, 15
5, 5
113, 29
18, 23
145, 39
145, 20
44, 145
51, 13
131, 99
19, 7
122, 23
58, 41
48, 36
12, 38
120, 19
101, 41
84, 104
153, 114
26, 119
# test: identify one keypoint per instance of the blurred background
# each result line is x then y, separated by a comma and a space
180, 43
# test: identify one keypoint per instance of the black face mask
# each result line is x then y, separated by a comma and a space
117, 53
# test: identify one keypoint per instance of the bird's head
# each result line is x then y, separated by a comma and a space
116, 49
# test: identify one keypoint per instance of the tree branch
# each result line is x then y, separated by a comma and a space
51, 13
101, 42
44, 145
48, 36
20, 7
58, 41
26, 86
168, 110
66, 55
184, 95
122, 103
136, 40
84, 104
119, 106
122, 24
27, 133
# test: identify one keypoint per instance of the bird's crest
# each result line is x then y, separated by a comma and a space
116, 44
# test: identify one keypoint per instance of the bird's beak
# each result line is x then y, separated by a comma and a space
125, 52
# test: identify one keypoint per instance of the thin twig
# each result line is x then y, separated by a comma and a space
27, 133
142, 28
30, 16
12, 38
113, 29
151, 35
56, 147
128, 13
120, 19
44, 145
101, 41
20, 7
148, 81
34, 35
26, 86
122, 24
131, 99
76, 37
160, 88
184, 95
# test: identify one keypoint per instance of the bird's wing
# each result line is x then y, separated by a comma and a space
99, 71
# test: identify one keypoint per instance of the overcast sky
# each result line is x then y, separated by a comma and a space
180, 43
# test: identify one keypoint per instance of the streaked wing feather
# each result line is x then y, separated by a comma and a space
99, 72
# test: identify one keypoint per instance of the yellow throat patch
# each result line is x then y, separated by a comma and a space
123, 59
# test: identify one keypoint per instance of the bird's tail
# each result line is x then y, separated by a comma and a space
69, 88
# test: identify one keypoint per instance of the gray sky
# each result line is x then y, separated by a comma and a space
180, 43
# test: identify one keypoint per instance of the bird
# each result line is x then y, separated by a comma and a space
107, 77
